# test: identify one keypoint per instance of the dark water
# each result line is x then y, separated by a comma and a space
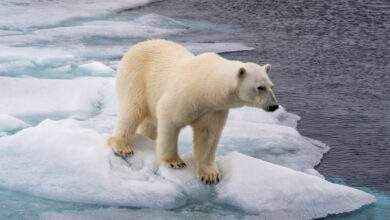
330, 65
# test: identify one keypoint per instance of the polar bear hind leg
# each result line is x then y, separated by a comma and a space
130, 115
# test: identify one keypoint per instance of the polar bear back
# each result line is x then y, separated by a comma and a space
157, 70
147, 69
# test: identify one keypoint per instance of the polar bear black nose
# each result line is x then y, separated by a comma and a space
272, 108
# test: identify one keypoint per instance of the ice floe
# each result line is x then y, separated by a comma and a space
125, 213
276, 192
36, 97
95, 67
10, 124
65, 161
60, 47
27, 14
268, 136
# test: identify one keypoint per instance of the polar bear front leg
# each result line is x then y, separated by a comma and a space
207, 131
167, 136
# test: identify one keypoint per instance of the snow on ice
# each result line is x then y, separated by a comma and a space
67, 159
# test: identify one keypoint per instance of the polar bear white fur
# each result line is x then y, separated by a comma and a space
162, 87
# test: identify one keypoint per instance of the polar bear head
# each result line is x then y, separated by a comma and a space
254, 88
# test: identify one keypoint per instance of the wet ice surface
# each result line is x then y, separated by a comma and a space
58, 105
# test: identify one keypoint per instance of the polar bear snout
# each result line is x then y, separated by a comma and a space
272, 108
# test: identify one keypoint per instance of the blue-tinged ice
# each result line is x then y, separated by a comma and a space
24, 15
62, 160
10, 124
74, 36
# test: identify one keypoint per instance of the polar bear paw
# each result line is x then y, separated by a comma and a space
120, 146
209, 175
175, 163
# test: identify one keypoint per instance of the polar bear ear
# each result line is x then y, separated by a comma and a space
267, 68
241, 73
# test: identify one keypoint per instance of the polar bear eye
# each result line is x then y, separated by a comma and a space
241, 72
261, 88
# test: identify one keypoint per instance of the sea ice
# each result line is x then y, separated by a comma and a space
96, 67
63, 161
62, 46
9, 124
125, 213
55, 97
276, 192
36, 55
268, 136
88, 31
27, 14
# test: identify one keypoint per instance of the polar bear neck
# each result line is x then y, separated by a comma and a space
212, 79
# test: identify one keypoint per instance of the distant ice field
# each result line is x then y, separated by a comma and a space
79, 42
58, 105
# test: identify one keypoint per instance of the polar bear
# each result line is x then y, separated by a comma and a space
162, 87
